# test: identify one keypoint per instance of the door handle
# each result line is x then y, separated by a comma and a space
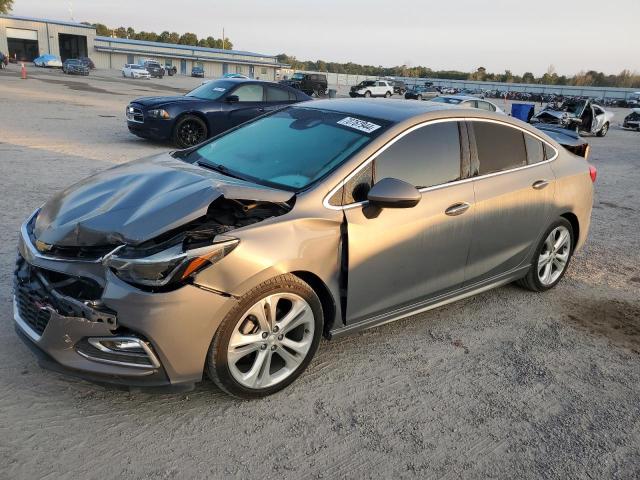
457, 209
540, 184
261, 109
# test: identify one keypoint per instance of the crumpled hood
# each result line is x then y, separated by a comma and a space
555, 113
138, 201
157, 101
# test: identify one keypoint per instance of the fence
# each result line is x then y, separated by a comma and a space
346, 80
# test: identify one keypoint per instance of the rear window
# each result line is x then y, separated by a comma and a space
499, 147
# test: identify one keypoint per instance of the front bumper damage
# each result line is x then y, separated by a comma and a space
71, 312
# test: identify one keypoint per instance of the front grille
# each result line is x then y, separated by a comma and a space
134, 114
32, 309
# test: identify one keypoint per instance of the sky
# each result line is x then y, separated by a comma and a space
518, 35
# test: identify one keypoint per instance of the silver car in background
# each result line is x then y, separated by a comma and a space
233, 258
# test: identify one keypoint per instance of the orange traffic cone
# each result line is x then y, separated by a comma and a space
23, 72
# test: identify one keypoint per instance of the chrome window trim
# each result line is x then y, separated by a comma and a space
342, 183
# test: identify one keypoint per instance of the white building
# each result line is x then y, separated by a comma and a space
24, 38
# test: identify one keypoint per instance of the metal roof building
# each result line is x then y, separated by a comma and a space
25, 38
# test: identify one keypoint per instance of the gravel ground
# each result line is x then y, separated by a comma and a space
508, 384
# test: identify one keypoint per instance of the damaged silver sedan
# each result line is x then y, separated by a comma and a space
235, 257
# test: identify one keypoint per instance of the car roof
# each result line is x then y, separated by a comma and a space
393, 110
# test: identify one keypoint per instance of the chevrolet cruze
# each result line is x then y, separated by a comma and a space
233, 258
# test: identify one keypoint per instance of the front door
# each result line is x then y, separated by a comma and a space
397, 257
514, 193
250, 104
183, 67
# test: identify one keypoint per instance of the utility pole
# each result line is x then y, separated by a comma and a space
223, 38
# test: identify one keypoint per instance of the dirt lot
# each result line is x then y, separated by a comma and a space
508, 384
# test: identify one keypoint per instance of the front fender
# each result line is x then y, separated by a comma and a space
274, 248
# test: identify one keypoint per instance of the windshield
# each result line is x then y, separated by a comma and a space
367, 83
211, 90
136, 67
289, 149
453, 101
298, 76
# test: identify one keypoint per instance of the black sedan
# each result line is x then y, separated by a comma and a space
74, 66
210, 109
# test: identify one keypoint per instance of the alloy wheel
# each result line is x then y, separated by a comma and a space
554, 255
191, 133
271, 340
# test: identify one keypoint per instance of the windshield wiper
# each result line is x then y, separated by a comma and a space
220, 168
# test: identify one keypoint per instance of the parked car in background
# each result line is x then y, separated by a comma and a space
88, 62
234, 258
399, 87
4, 60
421, 92
74, 66
468, 102
632, 121
234, 75
372, 88
208, 110
634, 100
170, 70
154, 68
582, 115
133, 70
47, 61
309, 83
197, 72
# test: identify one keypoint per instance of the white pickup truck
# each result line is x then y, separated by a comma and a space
135, 71
372, 88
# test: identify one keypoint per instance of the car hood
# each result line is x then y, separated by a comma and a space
156, 101
138, 201
554, 113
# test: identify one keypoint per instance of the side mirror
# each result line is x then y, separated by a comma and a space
393, 193
233, 99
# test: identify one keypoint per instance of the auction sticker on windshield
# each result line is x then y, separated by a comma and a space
358, 124
219, 89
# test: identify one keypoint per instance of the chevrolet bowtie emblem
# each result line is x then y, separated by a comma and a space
43, 247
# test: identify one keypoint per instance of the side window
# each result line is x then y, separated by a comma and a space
275, 94
249, 93
549, 152
499, 147
292, 97
486, 106
425, 157
357, 188
470, 104
535, 149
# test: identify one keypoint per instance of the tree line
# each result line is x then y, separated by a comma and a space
625, 79
187, 38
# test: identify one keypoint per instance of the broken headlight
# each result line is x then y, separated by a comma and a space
170, 266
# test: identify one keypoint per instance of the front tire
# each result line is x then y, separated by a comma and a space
551, 258
367, 94
419, 97
267, 340
603, 131
188, 131
387, 95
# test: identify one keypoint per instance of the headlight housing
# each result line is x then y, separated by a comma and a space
159, 113
171, 266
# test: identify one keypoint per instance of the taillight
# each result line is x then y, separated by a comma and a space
593, 173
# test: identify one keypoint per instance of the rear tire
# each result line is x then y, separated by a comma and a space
387, 95
419, 97
267, 340
551, 258
367, 94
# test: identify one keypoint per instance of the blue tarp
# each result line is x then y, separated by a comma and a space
522, 111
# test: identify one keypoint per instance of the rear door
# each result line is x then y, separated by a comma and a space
399, 257
514, 192
277, 97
